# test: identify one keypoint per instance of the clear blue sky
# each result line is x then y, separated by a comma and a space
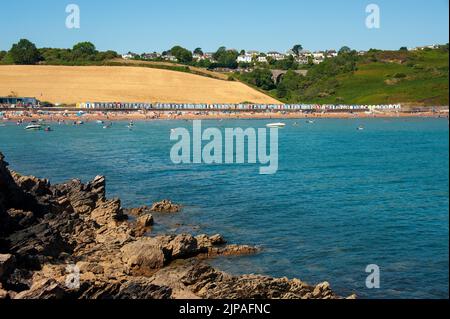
149, 25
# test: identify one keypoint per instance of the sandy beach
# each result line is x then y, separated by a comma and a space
60, 116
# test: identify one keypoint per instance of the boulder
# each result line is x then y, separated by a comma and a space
145, 221
143, 256
182, 246
165, 206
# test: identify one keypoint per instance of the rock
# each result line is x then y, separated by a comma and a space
139, 211
145, 221
143, 256
322, 290
233, 250
209, 283
7, 264
182, 246
50, 231
31, 184
98, 186
142, 289
44, 289
165, 206
108, 213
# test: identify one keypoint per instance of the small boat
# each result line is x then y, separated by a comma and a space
100, 122
33, 127
360, 128
276, 125
310, 122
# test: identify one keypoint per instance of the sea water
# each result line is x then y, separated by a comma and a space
342, 198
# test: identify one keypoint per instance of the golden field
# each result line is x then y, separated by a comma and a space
73, 84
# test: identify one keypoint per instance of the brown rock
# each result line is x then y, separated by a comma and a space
145, 221
165, 206
108, 212
182, 246
43, 289
143, 256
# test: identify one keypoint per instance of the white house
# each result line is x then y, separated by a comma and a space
170, 57
276, 55
262, 59
246, 58
129, 55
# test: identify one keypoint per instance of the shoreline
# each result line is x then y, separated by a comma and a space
69, 241
116, 116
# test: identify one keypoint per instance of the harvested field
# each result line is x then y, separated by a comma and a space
72, 84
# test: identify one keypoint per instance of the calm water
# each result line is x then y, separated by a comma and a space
342, 199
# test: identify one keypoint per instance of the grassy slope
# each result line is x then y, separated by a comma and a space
426, 83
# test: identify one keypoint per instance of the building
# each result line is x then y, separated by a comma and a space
246, 58
262, 59
129, 56
170, 57
18, 102
276, 55
150, 56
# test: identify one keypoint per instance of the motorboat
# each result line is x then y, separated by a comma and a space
276, 125
34, 127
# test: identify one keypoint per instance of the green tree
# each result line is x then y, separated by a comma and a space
84, 51
297, 49
226, 58
198, 51
24, 52
403, 49
344, 50
261, 78
183, 55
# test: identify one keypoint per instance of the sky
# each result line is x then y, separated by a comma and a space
149, 25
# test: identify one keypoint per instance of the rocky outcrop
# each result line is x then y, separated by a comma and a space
70, 241
165, 206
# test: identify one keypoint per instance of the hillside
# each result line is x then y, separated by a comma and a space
419, 78
72, 84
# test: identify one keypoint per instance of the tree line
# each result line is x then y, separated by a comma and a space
26, 53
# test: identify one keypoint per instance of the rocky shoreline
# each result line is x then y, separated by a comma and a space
69, 241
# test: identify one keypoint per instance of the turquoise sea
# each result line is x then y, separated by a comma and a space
341, 200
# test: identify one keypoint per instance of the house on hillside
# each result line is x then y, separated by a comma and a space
169, 57
245, 58
150, 56
129, 56
262, 59
276, 55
